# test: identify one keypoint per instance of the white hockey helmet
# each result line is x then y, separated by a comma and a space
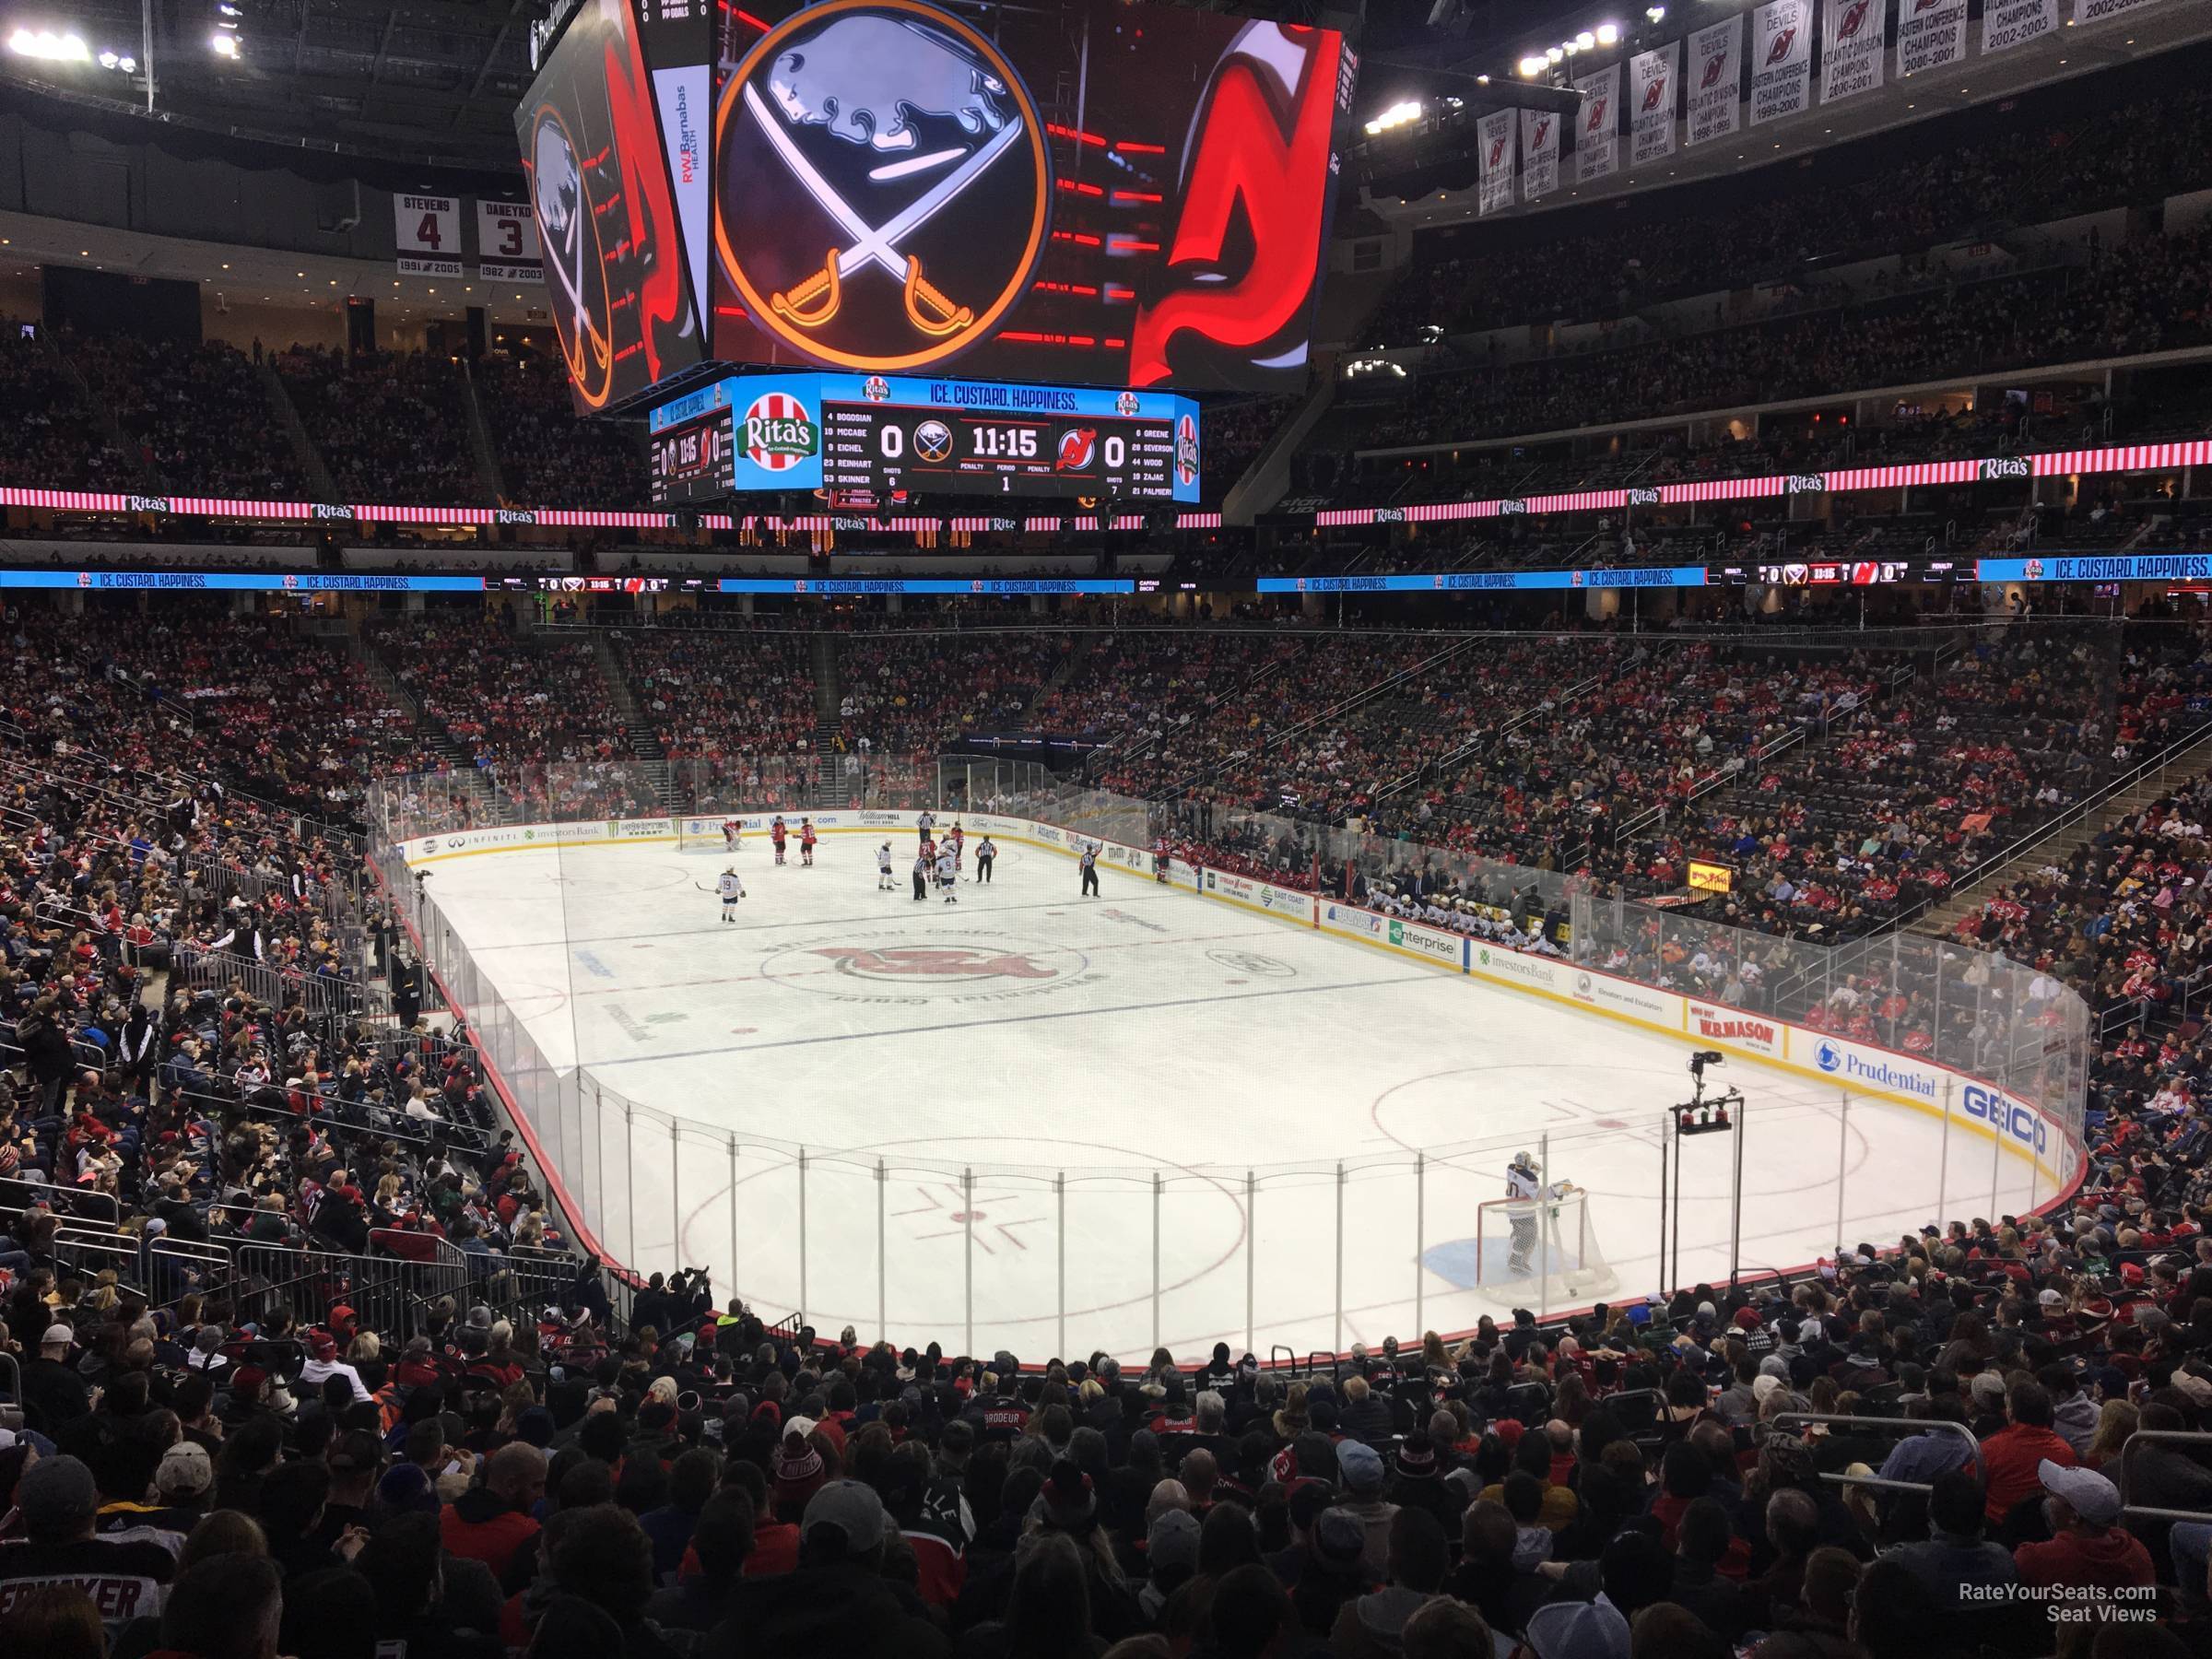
1522, 1160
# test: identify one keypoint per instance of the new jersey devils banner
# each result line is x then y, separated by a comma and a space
1931, 34
1850, 48
606, 215
1715, 72
2097, 11
1494, 133
2009, 23
1540, 153
1597, 126
1782, 59
890, 196
1651, 77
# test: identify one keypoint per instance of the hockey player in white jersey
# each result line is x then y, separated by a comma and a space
884, 884
1522, 1182
948, 872
732, 889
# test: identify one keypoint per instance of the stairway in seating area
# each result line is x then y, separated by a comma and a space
2127, 797
644, 739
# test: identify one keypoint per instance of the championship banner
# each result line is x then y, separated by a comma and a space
2101, 11
427, 230
1931, 34
2009, 23
1715, 77
507, 245
1781, 58
1850, 48
1496, 133
1540, 153
1651, 77
1598, 130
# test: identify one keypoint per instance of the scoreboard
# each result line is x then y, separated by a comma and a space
894, 436
690, 442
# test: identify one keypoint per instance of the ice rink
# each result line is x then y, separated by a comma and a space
1106, 1123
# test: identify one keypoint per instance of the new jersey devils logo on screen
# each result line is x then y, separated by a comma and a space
882, 186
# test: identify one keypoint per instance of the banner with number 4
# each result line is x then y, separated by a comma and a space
428, 231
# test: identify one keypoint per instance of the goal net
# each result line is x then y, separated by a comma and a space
1543, 1252
701, 834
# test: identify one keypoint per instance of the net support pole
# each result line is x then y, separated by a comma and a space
1943, 1154
630, 1185
802, 1235
1338, 1338
1546, 1233
1252, 1236
1736, 1205
1843, 1159
1060, 1261
1157, 1185
968, 1259
1420, 1237
883, 1259
1996, 1166
1666, 1136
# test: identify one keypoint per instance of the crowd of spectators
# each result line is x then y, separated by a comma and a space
199, 414
50, 440
391, 426
547, 456
908, 693
723, 703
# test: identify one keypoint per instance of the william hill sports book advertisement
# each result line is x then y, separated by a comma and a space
1108, 194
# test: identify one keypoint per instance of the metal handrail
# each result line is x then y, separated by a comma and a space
2164, 1437
1907, 1427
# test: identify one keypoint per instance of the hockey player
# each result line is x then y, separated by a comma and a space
1090, 869
1522, 1182
948, 872
732, 889
957, 838
985, 856
732, 834
807, 839
922, 869
1160, 859
778, 833
884, 883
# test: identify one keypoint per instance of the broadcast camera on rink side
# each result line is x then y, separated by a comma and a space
1698, 1116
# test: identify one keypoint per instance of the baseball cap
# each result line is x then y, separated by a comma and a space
1361, 1465
849, 1508
1578, 1630
2087, 1494
1173, 1541
58, 1335
185, 1471
55, 1494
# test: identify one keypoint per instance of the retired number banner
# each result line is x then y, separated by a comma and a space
1782, 59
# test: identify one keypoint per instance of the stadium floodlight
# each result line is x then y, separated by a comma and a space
1535, 63
1654, 14
225, 46
1608, 34
108, 60
1585, 40
1555, 54
44, 45
129, 65
1398, 114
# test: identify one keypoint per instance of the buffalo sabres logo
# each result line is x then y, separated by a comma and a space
575, 263
882, 187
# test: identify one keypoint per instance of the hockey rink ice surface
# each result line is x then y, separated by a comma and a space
1027, 1030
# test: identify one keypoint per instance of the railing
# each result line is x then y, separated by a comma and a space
1906, 1427
2129, 1457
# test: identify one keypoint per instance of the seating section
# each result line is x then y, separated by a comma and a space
200, 416
50, 440
392, 426
547, 456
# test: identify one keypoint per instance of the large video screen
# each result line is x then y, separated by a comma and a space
1109, 194
608, 196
